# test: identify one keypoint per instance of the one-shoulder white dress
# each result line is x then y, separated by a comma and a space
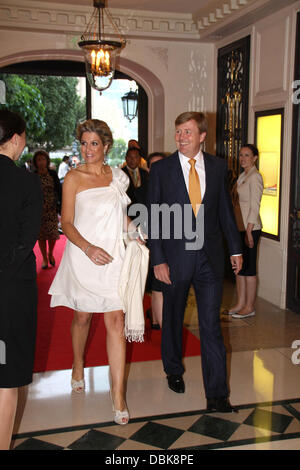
99, 217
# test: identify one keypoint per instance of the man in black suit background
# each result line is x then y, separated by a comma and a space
137, 189
196, 256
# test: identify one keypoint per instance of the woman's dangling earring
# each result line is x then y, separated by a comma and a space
104, 165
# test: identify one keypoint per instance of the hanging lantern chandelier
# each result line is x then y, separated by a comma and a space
130, 105
99, 52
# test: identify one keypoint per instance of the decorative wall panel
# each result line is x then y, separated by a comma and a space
232, 102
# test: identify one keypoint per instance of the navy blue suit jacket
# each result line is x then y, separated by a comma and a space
167, 186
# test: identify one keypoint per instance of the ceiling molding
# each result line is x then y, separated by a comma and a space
216, 11
28, 15
217, 19
220, 18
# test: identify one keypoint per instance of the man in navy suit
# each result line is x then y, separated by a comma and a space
187, 250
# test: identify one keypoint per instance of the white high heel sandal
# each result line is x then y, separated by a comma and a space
120, 417
78, 386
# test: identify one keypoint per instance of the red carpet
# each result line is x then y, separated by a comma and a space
54, 347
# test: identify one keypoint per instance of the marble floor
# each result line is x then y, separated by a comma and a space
264, 378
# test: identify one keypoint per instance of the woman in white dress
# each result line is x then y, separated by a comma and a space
93, 214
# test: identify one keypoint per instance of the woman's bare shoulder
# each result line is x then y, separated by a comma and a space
75, 173
72, 178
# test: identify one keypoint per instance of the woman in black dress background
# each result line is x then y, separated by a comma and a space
20, 217
52, 200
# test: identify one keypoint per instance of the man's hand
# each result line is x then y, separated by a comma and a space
162, 273
236, 263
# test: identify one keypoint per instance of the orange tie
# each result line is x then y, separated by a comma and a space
194, 187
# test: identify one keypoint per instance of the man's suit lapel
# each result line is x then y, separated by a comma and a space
209, 177
178, 179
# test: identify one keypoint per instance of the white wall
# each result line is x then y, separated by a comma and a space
184, 71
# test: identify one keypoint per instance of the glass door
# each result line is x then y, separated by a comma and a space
107, 106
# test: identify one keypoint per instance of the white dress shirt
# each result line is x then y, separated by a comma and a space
200, 168
63, 170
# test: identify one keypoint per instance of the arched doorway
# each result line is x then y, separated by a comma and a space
77, 69
151, 115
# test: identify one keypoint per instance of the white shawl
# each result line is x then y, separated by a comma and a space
132, 287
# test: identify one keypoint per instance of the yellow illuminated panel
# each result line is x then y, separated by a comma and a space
268, 142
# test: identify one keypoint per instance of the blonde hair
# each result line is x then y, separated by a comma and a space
100, 128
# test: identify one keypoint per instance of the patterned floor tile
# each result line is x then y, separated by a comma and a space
16, 443
296, 406
64, 439
253, 425
293, 427
212, 426
183, 422
134, 445
235, 417
191, 439
96, 440
157, 435
276, 409
275, 422
123, 431
250, 432
36, 444
290, 444
294, 409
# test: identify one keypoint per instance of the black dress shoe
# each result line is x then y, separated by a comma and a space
176, 383
220, 404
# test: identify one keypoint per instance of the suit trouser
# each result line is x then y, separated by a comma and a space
208, 292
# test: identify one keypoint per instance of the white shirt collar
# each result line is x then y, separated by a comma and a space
185, 160
200, 168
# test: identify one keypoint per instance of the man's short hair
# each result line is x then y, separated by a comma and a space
133, 149
200, 119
